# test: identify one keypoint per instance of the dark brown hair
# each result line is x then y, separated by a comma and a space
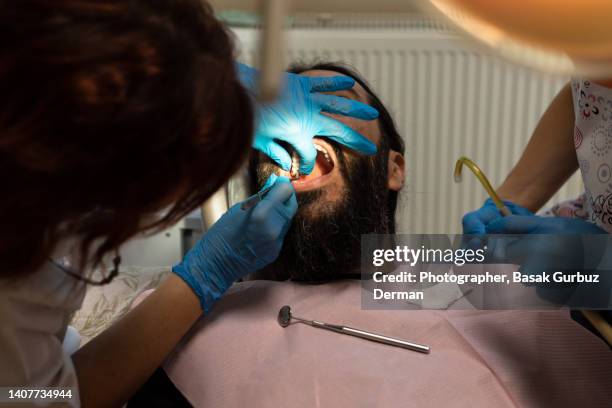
110, 111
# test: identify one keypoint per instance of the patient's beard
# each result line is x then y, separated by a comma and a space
324, 241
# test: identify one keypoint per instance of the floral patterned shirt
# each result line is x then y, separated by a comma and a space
593, 143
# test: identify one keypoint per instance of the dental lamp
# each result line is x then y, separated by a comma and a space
571, 37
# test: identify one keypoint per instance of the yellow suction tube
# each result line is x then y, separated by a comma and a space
592, 316
464, 161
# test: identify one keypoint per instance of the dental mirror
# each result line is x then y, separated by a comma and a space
285, 316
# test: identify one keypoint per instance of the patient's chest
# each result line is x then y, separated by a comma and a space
241, 356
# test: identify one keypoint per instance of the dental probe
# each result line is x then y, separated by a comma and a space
483, 180
255, 199
285, 316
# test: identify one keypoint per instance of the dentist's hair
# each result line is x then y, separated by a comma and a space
111, 111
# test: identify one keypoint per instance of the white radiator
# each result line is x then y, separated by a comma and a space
449, 98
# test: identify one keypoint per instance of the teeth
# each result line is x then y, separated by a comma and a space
295, 165
325, 154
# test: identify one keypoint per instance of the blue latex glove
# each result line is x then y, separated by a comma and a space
533, 224
239, 243
548, 243
554, 244
296, 117
474, 223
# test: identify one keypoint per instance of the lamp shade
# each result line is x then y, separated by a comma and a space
563, 36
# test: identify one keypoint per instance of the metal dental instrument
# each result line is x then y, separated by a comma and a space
255, 199
285, 316
293, 173
483, 180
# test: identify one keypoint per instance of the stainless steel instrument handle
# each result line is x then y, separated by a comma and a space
386, 340
372, 337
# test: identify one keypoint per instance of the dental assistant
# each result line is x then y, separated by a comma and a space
112, 113
570, 136
573, 134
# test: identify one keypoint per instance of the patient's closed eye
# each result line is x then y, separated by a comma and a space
349, 94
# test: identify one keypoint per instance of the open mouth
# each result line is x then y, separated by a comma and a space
322, 171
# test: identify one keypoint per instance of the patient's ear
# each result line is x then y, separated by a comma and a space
396, 171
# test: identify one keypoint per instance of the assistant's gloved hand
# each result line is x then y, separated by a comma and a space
239, 243
553, 244
548, 243
474, 223
533, 224
296, 117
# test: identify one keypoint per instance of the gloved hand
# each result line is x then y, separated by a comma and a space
239, 243
553, 244
296, 117
548, 242
533, 224
474, 223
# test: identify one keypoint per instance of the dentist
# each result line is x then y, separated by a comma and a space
112, 113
